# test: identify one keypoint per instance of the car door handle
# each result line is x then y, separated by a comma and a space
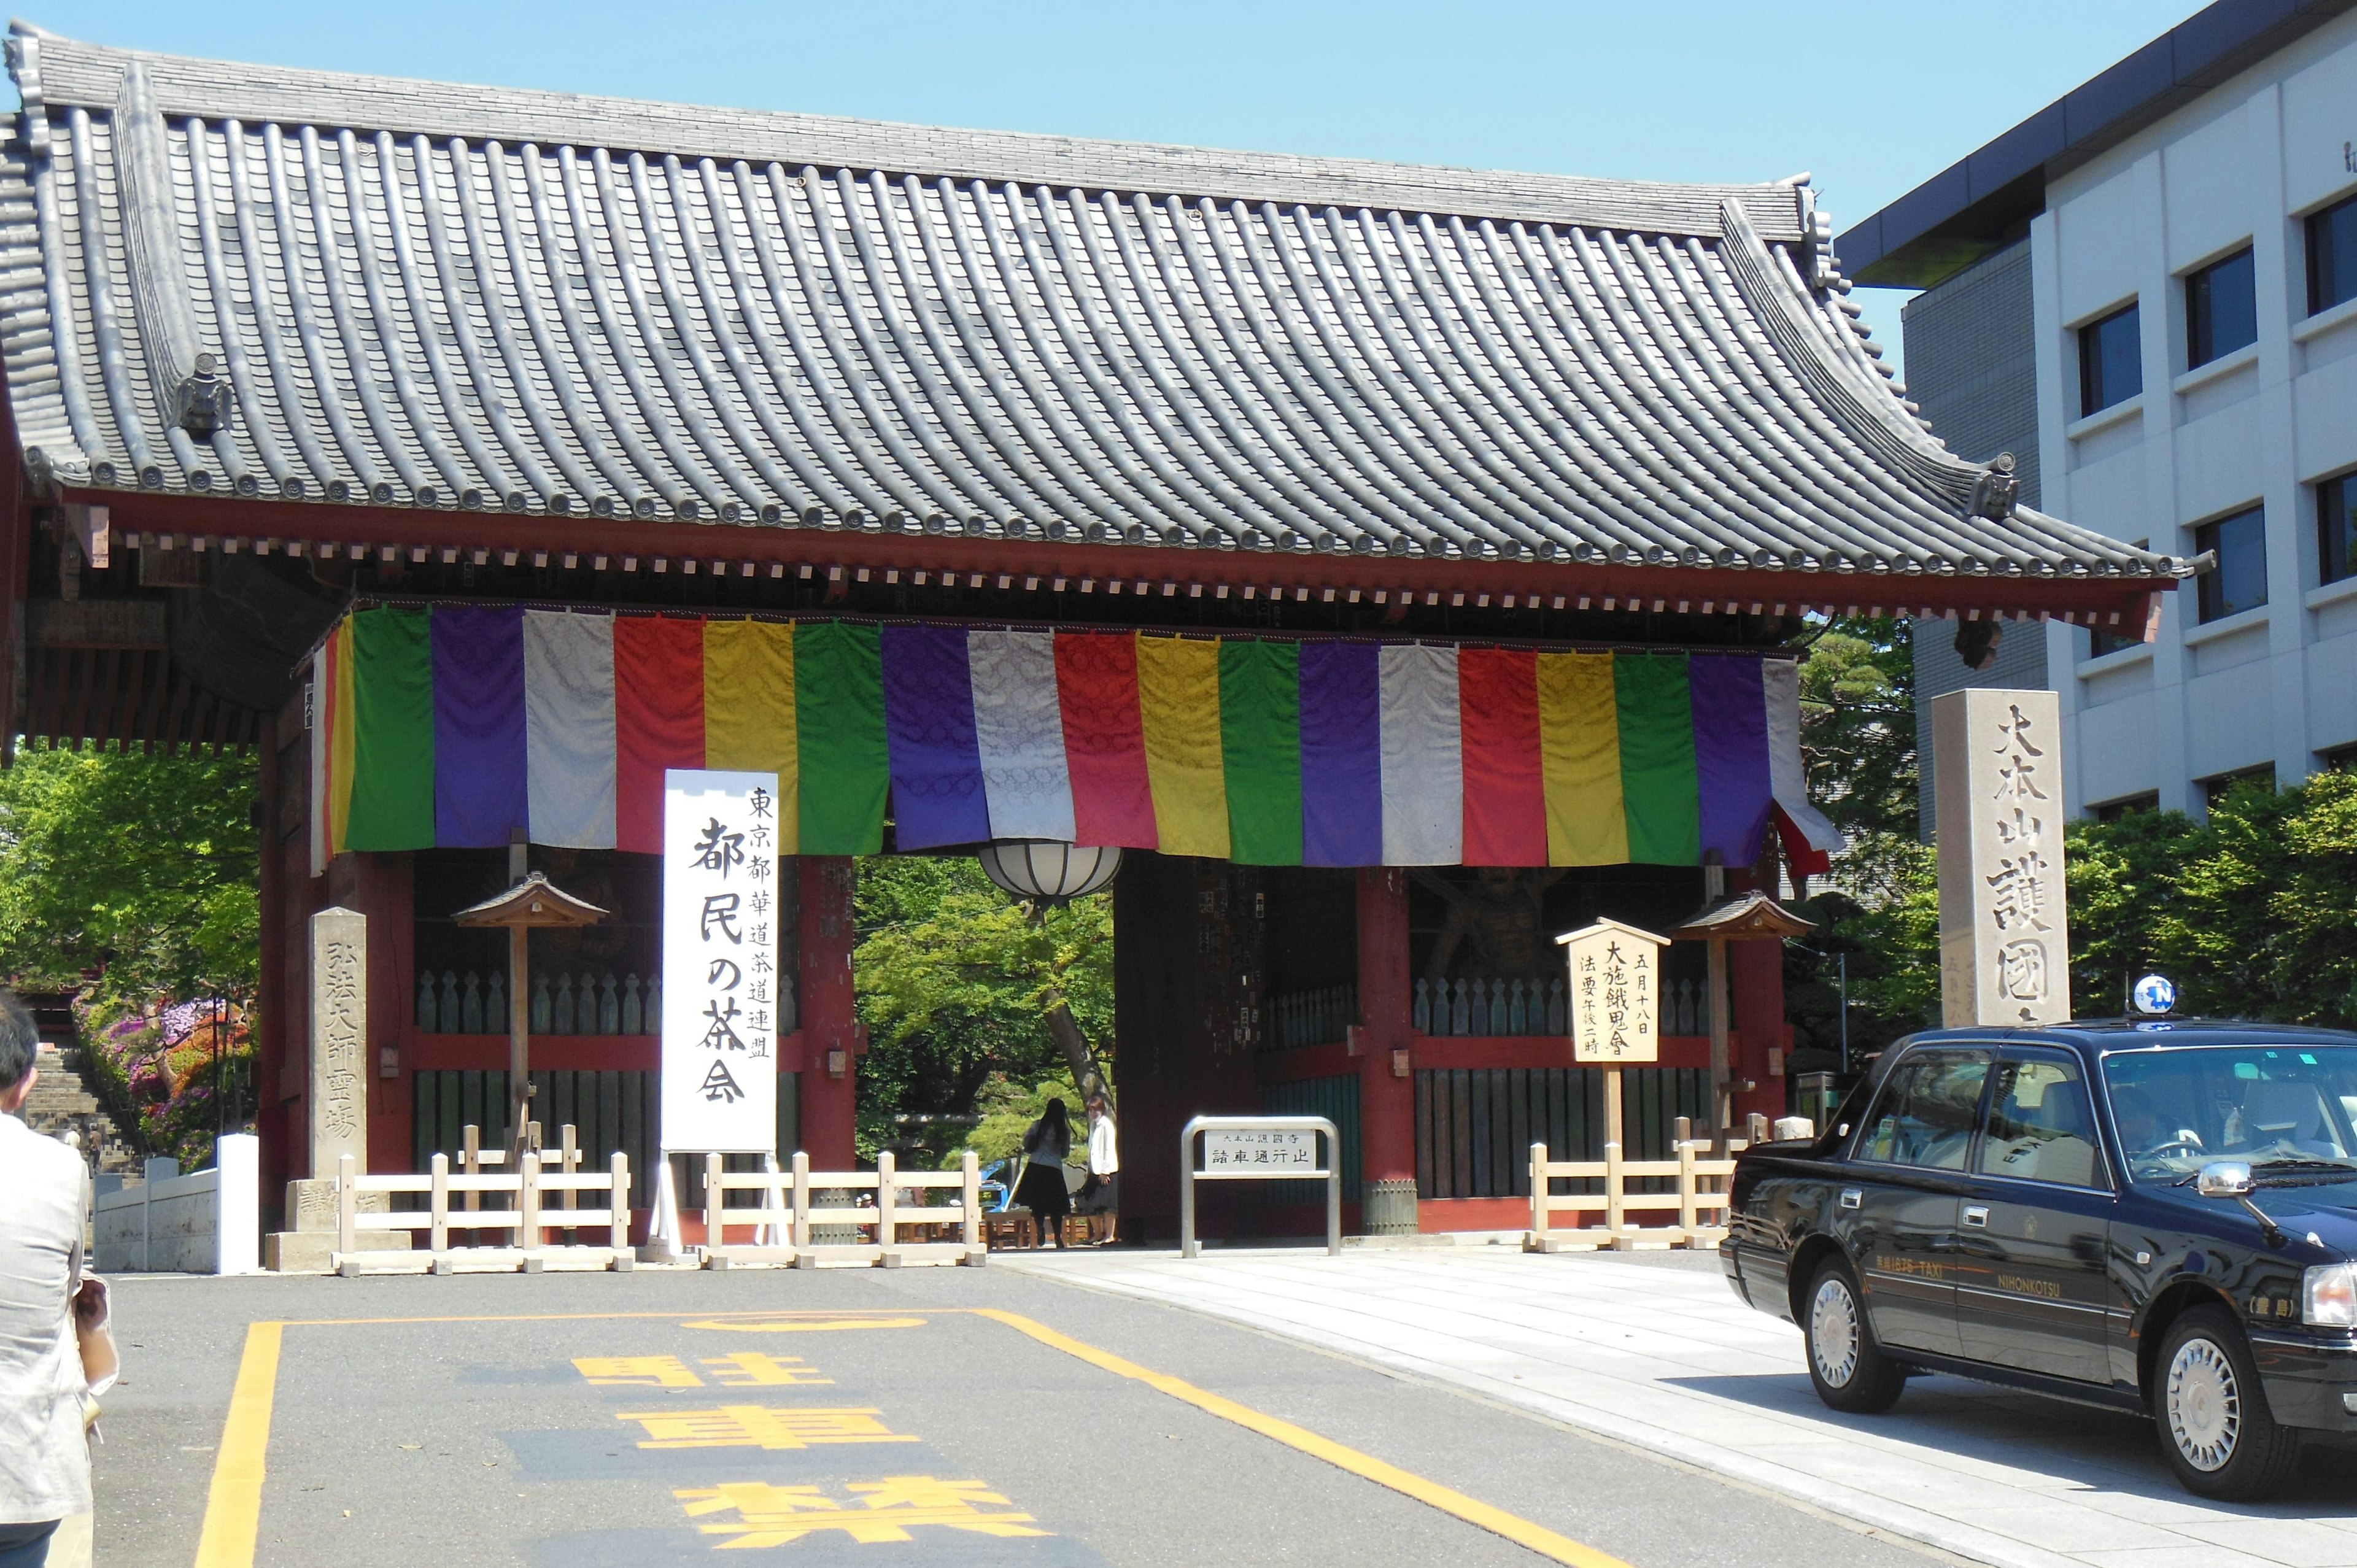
1976, 1216
1851, 1197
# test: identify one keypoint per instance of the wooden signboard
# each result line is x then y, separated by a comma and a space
1616, 994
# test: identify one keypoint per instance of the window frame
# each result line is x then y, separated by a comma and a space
2090, 359
1862, 1139
2336, 493
2201, 324
2209, 600
2316, 228
2006, 1056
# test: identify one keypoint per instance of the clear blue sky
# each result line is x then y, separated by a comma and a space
1873, 98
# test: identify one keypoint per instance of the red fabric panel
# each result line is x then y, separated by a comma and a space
1505, 792
658, 719
1105, 740
1805, 859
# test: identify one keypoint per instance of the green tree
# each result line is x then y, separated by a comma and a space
138, 870
1857, 725
958, 985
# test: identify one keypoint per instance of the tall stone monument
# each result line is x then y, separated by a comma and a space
337, 1103
2005, 942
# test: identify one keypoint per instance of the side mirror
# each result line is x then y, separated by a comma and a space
2224, 1178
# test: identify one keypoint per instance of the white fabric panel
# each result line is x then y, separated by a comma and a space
1423, 759
1786, 778
1019, 725
569, 717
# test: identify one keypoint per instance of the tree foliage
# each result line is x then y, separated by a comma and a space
956, 981
1857, 725
138, 870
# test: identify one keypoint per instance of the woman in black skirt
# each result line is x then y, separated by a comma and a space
1043, 1189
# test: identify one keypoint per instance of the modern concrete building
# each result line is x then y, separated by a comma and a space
2148, 292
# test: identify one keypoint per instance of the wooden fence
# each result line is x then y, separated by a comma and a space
787, 1225
524, 1213
1699, 1197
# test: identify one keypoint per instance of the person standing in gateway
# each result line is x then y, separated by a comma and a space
44, 1455
1042, 1189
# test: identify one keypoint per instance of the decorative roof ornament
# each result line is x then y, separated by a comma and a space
1995, 491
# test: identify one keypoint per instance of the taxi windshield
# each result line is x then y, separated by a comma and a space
2290, 1111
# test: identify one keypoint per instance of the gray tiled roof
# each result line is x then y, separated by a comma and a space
434, 296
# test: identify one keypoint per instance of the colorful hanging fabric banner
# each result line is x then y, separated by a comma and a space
456, 725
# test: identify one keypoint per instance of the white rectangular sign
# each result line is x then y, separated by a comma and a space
720, 962
1615, 994
1279, 1152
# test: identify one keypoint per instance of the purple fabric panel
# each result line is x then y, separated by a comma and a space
1730, 729
479, 729
937, 792
1341, 755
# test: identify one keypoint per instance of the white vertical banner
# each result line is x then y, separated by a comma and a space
719, 958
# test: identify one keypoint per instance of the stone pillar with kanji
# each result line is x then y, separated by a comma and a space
2005, 942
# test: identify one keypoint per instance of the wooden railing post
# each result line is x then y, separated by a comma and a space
1755, 1128
888, 1217
713, 1194
1685, 1191
571, 1158
348, 1206
802, 1235
1539, 1214
528, 1204
439, 1207
970, 1200
618, 1199
1613, 1184
471, 1161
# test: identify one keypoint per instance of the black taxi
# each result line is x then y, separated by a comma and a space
2151, 1215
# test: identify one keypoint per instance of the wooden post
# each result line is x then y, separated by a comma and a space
1686, 1189
1538, 1191
571, 1159
348, 1205
887, 1216
1714, 877
1613, 1182
519, 1041
1613, 1105
970, 1200
439, 1240
1755, 1128
802, 1232
618, 1199
714, 1224
472, 1162
528, 1204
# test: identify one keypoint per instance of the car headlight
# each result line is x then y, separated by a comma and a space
2330, 1296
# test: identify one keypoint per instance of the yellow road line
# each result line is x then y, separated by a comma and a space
233, 1511
1497, 1520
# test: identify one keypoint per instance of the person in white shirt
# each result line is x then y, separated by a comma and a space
44, 1457
1102, 1196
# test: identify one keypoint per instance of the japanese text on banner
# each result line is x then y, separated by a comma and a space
721, 985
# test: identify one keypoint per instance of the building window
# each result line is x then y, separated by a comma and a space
2100, 642
2340, 759
2215, 790
2336, 528
2221, 308
2332, 255
2111, 361
2239, 581
2112, 810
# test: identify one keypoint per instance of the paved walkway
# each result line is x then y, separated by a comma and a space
1654, 1350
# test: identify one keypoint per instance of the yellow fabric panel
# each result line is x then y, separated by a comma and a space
342, 734
748, 711
1178, 698
1579, 746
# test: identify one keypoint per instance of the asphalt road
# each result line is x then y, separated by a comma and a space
478, 1420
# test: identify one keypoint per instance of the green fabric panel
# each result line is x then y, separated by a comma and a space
847, 762
392, 731
1260, 736
1658, 785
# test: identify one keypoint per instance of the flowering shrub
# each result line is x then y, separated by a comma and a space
170, 1063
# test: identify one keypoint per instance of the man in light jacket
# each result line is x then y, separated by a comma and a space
1104, 1165
44, 1458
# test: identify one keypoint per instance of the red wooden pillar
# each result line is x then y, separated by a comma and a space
1756, 976
1386, 1094
830, 1021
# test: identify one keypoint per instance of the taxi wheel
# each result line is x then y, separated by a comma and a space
1848, 1367
2215, 1427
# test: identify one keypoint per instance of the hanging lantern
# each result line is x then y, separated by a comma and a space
1046, 873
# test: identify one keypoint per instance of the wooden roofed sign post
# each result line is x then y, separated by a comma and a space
1616, 1003
533, 901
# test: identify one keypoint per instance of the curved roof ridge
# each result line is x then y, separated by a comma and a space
73, 74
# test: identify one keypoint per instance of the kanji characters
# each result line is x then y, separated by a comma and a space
761, 1427
881, 1511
